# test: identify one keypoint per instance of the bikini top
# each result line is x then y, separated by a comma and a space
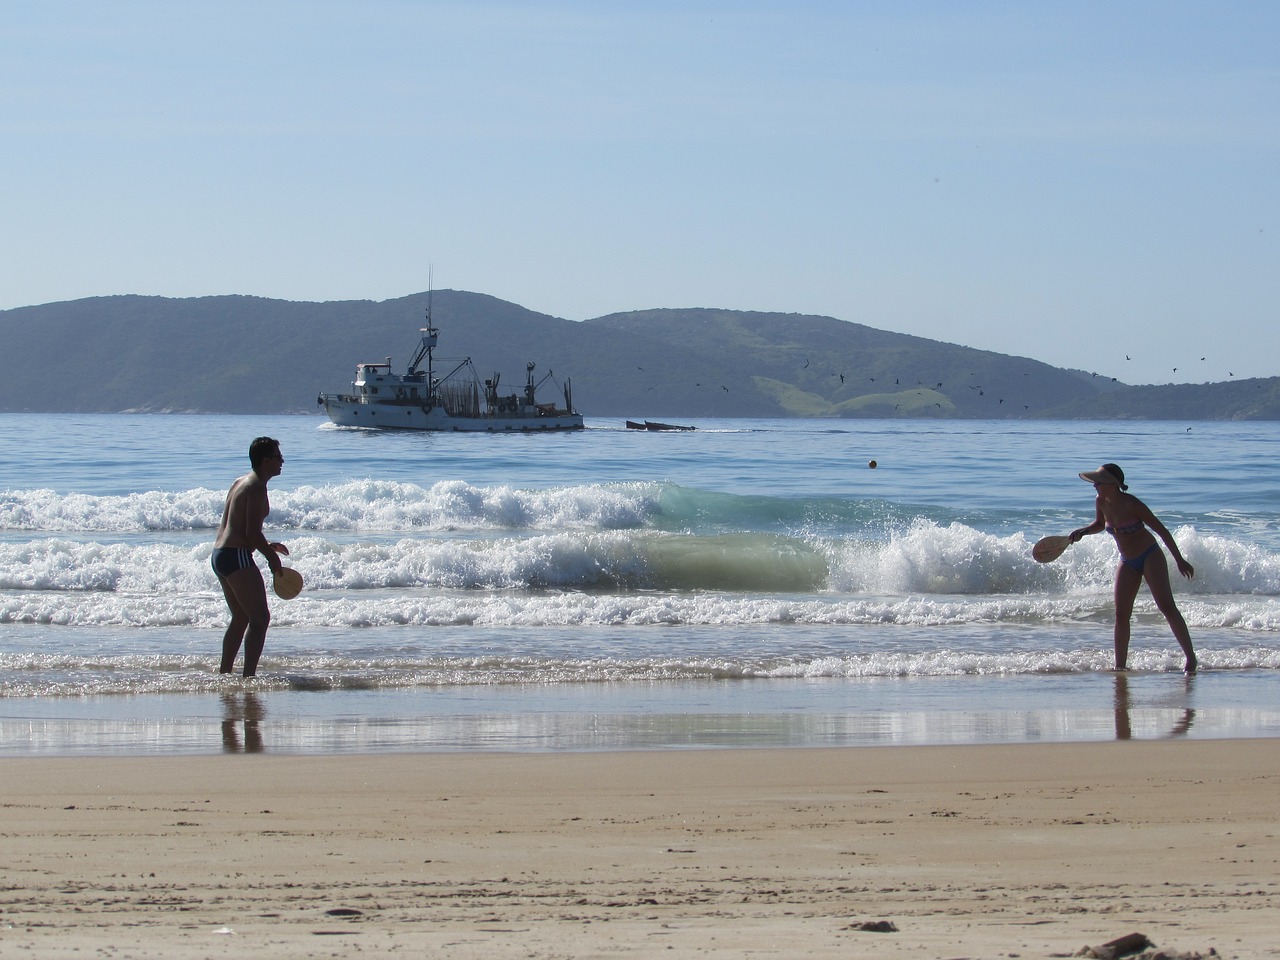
1133, 526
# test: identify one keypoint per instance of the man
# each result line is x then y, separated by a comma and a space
239, 535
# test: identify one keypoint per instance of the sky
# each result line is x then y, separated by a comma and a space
1090, 184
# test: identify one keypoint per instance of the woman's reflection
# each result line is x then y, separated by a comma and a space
1124, 730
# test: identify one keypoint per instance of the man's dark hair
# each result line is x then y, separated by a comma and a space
261, 448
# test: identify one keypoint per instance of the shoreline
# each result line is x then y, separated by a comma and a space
983, 850
551, 718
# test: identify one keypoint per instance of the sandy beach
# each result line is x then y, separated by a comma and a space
966, 851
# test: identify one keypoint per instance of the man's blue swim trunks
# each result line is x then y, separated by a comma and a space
227, 560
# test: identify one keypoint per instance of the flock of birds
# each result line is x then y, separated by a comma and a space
897, 382
978, 387
981, 391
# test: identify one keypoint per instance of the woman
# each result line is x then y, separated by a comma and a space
1132, 523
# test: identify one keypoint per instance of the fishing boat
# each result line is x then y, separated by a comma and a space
458, 401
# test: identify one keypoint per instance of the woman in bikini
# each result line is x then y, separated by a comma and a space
1132, 523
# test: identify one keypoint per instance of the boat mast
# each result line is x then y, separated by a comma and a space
425, 348
429, 340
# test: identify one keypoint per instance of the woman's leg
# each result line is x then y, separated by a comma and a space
1128, 581
1156, 572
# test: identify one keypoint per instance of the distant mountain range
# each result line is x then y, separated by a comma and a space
236, 354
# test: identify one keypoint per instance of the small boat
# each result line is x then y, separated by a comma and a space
418, 400
655, 425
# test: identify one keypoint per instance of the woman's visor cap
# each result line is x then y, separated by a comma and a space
1101, 475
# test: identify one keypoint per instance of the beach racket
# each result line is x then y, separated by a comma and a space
287, 583
1049, 549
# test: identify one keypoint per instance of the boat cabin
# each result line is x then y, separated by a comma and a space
377, 380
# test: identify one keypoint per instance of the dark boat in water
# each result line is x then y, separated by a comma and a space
655, 425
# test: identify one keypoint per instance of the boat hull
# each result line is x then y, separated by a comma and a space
654, 425
402, 416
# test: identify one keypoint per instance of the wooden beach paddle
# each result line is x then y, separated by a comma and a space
287, 583
1049, 549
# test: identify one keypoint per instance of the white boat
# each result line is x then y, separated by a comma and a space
418, 400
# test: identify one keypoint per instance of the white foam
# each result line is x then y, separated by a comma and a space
61, 675
345, 607
362, 505
925, 560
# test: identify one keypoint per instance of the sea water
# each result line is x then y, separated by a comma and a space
748, 583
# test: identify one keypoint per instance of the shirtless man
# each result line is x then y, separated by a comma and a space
239, 535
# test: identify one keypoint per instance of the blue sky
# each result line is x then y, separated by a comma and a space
1093, 184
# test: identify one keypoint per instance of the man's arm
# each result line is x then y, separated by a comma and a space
255, 515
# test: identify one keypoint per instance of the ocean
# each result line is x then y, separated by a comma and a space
750, 583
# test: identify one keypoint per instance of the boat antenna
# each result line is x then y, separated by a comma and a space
430, 289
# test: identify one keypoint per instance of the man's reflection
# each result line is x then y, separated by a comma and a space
1124, 730
242, 711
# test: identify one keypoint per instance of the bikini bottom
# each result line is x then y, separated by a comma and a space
1137, 563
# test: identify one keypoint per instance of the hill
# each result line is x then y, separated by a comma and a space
822, 367
237, 354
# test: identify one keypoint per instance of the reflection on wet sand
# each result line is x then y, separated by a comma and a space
242, 713
1122, 704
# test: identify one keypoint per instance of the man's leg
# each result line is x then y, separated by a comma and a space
246, 595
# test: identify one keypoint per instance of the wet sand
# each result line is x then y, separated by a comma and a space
966, 851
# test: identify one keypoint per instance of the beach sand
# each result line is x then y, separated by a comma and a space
969, 851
